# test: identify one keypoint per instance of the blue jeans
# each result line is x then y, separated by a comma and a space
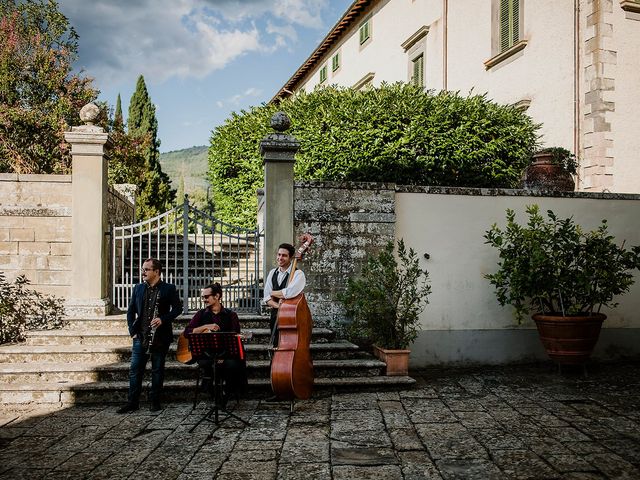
136, 372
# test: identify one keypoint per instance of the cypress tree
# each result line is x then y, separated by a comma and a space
118, 123
155, 194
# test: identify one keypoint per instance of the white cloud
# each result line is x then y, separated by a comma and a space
120, 39
235, 100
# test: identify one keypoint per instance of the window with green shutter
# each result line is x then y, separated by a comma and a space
418, 71
335, 62
323, 74
509, 23
365, 32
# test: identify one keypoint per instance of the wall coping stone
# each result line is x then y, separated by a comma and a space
345, 185
34, 177
514, 192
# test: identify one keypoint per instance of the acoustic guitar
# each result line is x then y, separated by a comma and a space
183, 354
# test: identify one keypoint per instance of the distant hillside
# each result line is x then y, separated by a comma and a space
189, 162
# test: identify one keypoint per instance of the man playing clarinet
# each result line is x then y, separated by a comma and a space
154, 305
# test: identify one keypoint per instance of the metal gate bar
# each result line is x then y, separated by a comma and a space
196, 249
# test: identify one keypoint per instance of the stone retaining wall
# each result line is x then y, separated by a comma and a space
349, 222
35, 230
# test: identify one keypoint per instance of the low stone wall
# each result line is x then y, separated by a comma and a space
349, 222
35, 230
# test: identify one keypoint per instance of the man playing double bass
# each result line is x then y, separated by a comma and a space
277, 287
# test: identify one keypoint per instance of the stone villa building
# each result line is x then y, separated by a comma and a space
573, 65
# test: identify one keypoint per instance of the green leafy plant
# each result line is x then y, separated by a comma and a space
22, 309
553, 266
563, 157
395, 133
384, 303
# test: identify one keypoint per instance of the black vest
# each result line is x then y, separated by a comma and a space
274, 281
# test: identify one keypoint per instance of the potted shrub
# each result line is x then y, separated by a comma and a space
551, 169
552, 267
384, 304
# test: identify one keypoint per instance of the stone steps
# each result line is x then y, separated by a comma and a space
94, 372
120, 337
69, 392
88, 361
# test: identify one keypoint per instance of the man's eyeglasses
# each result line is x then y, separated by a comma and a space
204, 297
143, 269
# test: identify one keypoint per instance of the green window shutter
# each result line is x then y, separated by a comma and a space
509, 23
335, 62
418, 71
323, 74
364, 32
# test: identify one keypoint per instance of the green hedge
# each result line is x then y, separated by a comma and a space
395, 133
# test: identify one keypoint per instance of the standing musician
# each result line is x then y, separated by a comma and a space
215, 318
276, 288
154, 305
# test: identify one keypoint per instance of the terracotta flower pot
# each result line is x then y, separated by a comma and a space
569, 340
543, 174
397, 360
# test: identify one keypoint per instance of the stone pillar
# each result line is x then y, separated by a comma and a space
278, 152
89, 247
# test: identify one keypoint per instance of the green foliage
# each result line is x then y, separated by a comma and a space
552, 266
396, 133
189, 164
22, 309
155, 195
39, 97
384, 303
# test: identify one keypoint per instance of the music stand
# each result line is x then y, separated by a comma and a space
218, 346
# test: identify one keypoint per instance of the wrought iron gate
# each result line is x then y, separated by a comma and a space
195, 249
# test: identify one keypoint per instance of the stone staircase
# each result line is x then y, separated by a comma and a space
88, 361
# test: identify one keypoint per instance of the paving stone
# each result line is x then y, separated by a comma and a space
522, 465
310, 443
613, 466
569, 463
238, 469
417, 465
449, 440
304, 471
468, 469
476, 420
496, 439
405, 439
380, 472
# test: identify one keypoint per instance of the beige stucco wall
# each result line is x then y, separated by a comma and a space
463, 311
35, 230
625, 119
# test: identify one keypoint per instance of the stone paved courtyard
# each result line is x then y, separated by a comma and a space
479, 423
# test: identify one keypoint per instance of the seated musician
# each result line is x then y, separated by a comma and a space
215, 318
277, 286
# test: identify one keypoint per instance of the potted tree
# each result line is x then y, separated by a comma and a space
552, 267
551, 169
384, 304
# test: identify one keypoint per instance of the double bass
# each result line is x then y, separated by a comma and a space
291, 365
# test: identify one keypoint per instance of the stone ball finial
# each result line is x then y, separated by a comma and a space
280, 122
89, 113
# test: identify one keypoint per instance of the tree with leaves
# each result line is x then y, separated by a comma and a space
155, 194
39, 96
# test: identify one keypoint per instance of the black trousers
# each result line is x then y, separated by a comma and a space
231, 374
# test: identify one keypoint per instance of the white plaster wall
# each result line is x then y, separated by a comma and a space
450, 229
625, 120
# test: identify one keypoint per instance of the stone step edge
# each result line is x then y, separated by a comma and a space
189, 384
57, 349
48, 367
65, 332
181, 317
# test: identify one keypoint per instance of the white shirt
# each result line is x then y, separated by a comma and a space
295, 287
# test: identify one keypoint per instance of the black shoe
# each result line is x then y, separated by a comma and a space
155, 407
129, 407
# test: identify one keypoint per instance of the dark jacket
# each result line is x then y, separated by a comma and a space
169, 307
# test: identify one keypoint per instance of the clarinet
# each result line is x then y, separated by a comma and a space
151, 334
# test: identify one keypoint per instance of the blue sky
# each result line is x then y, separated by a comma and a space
201, 59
